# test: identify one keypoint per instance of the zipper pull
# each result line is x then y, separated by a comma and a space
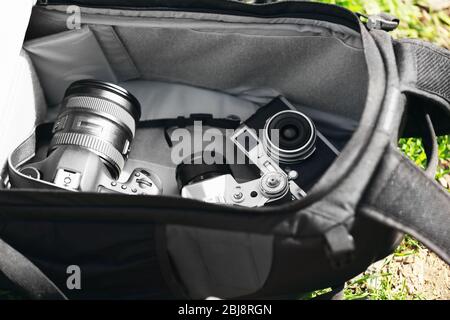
381, 21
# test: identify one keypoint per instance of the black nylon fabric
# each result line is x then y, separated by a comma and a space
433, 68
365, 149
303, 265
403, 197
117, 260
25, 275
425, 76
400, 195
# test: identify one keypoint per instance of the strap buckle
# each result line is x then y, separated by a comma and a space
204, 117
340, 246
381, 21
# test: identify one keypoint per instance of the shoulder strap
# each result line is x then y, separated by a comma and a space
405, 198
425, 78
401, 195
23, 273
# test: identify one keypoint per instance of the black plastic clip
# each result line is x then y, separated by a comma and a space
340, 246
381, 21
201, 117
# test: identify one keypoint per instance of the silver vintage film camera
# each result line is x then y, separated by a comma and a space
285, 147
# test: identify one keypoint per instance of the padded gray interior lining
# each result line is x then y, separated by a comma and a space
116, 53
313, 65
23, 108
168, 100
63, 58
312, 71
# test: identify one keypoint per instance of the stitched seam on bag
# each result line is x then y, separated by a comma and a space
253, 259
125, 50
213, 18
414, 61
49, 38
254, 36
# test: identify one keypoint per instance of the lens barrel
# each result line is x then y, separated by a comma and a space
195, 169
289, 136
100, 117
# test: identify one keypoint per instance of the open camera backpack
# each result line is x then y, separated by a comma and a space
221, 57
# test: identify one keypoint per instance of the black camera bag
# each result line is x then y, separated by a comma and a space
354, 215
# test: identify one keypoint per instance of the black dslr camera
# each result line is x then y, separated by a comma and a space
90, 143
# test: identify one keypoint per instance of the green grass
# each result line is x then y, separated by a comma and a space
358, 289
381, 285
413, 148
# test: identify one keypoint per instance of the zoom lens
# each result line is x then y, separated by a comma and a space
289, 136
100, 117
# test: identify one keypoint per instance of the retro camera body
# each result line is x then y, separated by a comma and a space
290, 138
215, 183
90, 144
285, 147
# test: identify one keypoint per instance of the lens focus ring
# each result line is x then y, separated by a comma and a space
296, 135
104, 106
100, 117
97, 145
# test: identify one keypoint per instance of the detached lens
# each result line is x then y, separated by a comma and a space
289, 136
